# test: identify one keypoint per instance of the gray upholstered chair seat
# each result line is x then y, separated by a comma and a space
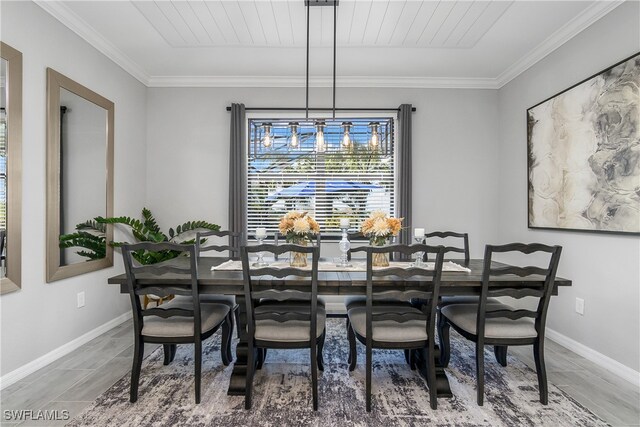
229, 300
352, 301
291, 330
389, 330
177, 326
268, 301
465, 316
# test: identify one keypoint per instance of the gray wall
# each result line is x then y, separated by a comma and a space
605, 268
455, 153
43, 317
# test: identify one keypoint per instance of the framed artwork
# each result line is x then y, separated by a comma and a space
584, 154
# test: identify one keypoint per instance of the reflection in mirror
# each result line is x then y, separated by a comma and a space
79, 178
10, 168
83, 145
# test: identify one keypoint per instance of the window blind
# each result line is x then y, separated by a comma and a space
344, 181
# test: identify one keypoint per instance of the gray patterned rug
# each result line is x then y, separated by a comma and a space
282, 393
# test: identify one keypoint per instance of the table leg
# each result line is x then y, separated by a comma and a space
442, 382
238, 382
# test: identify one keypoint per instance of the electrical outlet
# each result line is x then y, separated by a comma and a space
80, 299
580, 306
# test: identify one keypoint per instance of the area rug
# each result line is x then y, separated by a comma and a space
282, 393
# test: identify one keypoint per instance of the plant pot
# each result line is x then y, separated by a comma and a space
298, 259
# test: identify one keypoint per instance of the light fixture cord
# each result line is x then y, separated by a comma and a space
307, 86
335, 13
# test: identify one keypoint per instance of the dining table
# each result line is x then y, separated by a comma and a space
338, 281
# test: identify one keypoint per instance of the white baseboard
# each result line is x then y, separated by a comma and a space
599, 359
25, 370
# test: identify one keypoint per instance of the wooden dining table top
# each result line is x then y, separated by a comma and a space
336, 282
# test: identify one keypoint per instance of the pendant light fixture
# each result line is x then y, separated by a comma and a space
375, 138
320, 124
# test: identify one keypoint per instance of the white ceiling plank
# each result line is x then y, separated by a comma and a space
472, 15
389, 22
345, 17
159, 21
361, 16
172, 14
253, 21
489, 17
376, 16
298, 15
219, 14
440, 16
280, 11
422, 20
403, 24
459, 10
209, 23
269, 24
237, 19
187, 13
315, 26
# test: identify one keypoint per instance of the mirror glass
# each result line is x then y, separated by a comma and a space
10, 168
79, 178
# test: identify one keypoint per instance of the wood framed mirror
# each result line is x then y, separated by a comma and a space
10, 169
79, 178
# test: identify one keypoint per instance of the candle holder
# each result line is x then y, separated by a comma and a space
260, 261
344, 246
418, 262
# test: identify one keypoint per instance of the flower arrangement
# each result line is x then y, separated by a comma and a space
379, 227
298, 226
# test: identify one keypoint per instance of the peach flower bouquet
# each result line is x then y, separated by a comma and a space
298, 226
379, 227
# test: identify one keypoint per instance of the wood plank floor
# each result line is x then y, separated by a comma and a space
74, 381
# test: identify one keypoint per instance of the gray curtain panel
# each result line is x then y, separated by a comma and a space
238, 172
404, 175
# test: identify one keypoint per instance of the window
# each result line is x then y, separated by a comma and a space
348, 171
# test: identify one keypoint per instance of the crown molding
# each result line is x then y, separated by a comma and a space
76, 24
568, 31
345, 81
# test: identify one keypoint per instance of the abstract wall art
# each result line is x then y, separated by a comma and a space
584, 154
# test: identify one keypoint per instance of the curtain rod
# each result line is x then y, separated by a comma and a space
413, 109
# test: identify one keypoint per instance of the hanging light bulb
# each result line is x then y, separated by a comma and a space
267, 141
375, 138
320, 143
293, 141
346, 138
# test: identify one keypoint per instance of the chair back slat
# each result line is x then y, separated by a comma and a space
543, 293
518, 271
278, 238
233, 246
186, 266
515, 293
381, 316
287, 294
267, 282
451, 234
401, 295
510, 314
167, 312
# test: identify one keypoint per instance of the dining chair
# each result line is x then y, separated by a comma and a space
500, 324
233, 248
397, 326
176, 322
283, 326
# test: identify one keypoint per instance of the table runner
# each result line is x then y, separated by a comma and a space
232, 265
